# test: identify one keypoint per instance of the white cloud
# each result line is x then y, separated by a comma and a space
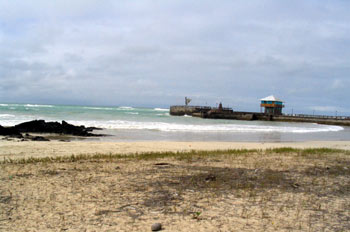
155, 52
337, 84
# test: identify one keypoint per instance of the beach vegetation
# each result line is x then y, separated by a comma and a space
281, 189
179, 155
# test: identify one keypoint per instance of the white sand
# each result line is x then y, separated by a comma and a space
252, 192
14, 149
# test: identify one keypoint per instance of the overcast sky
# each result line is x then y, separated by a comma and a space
156, 52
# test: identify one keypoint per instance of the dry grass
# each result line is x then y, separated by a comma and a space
282, 189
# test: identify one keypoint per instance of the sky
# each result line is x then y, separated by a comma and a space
155, 52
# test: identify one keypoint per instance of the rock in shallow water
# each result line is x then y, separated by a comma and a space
156, 227
39, 138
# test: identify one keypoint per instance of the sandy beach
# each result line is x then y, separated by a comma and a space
18, 149
238, 190
190, 115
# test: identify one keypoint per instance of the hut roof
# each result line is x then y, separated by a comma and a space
271, 98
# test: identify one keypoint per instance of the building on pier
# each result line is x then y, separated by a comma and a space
272, 105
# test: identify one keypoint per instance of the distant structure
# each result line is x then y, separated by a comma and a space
220, 107
273, 105
273, 112
187, 101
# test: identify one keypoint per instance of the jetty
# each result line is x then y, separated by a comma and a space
272, 112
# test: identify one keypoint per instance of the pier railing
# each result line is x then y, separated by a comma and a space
198, 107
317, 116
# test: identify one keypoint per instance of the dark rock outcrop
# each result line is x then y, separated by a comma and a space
40, 126
10, 131
39, 138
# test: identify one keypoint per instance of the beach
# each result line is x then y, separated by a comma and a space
17, 149
174, 116
188, 174
243, 187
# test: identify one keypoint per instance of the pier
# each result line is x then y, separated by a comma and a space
273, 112
182, 110
214, 113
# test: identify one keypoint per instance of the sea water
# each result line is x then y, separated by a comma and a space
125, 123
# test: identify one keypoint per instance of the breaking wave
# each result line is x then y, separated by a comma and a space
98, 108
7, 116
160, 109
174, 127
125, 108
30, 105
165, 114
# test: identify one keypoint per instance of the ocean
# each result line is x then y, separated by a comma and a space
125, 123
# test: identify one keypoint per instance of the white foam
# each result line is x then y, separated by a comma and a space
7, 116
13, 122
98, 108
30, 105
160, 109
134, 113
175, 127
125, 108
4, 105
166, 114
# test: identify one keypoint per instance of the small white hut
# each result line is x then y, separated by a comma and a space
272, 105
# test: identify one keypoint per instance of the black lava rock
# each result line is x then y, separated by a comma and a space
40, 126
10, 131
39, 138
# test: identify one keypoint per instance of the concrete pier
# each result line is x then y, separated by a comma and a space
328, 120
227, 113
188, 110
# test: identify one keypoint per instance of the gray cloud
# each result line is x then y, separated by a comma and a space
153, 53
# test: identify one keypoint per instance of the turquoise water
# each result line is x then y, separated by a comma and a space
125, 123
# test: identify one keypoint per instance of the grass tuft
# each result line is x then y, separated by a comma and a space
180, 155
322, 151
283, 150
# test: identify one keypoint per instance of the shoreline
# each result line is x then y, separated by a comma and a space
40, 149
